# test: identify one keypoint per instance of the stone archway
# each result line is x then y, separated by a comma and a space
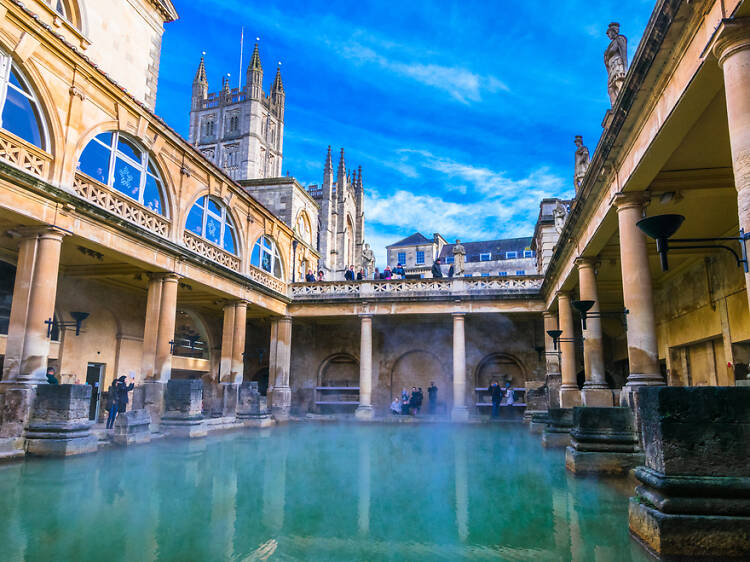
419, 368
502, 367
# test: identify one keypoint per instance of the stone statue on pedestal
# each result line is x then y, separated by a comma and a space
581, 162
459, 258
368, 259
616, 61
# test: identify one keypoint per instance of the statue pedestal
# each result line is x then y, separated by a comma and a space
250, 407
229, 400
597, 396
557, 432
59, 424
183, 416
132, 428
603, 441
694, 496
281, 403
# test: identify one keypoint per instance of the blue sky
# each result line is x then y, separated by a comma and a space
461, 113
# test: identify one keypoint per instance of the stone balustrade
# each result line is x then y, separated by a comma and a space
526, 286
24, 155
211, 251
119, 205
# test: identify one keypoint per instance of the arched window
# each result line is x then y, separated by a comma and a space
209, 219
303, 228
115, 160
266, 256
21, 111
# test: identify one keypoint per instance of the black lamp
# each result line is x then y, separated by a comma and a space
661, 228
555, 335
583, 307
78, 318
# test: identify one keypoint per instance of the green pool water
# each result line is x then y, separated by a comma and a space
316, 492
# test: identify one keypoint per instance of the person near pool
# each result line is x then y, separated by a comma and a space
414, 401
51, 378
496, 393
112, 404
508, 399
432, 391
396, 406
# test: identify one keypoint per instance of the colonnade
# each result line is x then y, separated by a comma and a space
459, 412
732, 49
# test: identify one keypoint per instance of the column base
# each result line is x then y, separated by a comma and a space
184, 428
281, 403
153, 401
229, 399
538, 422
16, 408
601, 463
132, 428
569, 397
557, 433
460, 414
364, 413
629, 391
597, 396
553, 381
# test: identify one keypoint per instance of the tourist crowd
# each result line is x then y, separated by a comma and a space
397, 272
410, 404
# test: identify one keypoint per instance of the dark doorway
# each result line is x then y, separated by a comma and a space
262, 378
94, 373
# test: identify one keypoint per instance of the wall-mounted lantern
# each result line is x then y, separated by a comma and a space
584, 307
78, 318
662, 227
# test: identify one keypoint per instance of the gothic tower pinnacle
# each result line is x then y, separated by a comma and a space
254, 75
200, 84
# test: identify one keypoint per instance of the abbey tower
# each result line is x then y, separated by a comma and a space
240, 129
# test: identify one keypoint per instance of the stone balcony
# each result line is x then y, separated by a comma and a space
521, 287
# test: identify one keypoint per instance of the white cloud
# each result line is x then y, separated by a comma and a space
493, 204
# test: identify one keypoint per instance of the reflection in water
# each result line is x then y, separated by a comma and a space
315, 492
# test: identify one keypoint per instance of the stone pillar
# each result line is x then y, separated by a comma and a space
570, 395
693, 499
33, 303
238, 347
167, 314
460, 412
364, 410
595, 389
643, 354
279, 364
151, 328
227, 341
552, 361
733, 51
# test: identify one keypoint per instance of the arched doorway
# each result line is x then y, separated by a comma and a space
501, 367
338, 383
420, 368
261, 377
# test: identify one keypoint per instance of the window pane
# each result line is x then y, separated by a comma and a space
213, 230
228, 239
152, 195
129, 149
106, 138
277, 268
266, 261
127, 179
94, 161
194, 221
213, 207
21, 118
13, 79
266, 243
255, 257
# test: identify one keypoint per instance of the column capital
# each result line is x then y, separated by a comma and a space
586, 262
286, 319
458, 314
44, 231
367, 315
733, 36
634, 199
164, 275
549, 314
563, 295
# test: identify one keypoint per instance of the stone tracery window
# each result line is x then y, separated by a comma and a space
266, 256
209, 219
21, 110
119, 162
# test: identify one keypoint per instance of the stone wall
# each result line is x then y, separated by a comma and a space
412, 351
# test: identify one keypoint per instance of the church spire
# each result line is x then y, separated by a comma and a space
254, 75
341, 177
200, 75
278, 85
329, 162
200, 84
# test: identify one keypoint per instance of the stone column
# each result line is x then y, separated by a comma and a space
552, 360
643, 354
595, 389
460, 412
733, 51
238, 347
167, 314
227, 341
570, 395
364, 410
33, 303
151, 328
279, 364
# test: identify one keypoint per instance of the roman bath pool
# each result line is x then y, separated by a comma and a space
316, 492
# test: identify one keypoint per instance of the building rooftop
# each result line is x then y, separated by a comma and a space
412, 240
497, 248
